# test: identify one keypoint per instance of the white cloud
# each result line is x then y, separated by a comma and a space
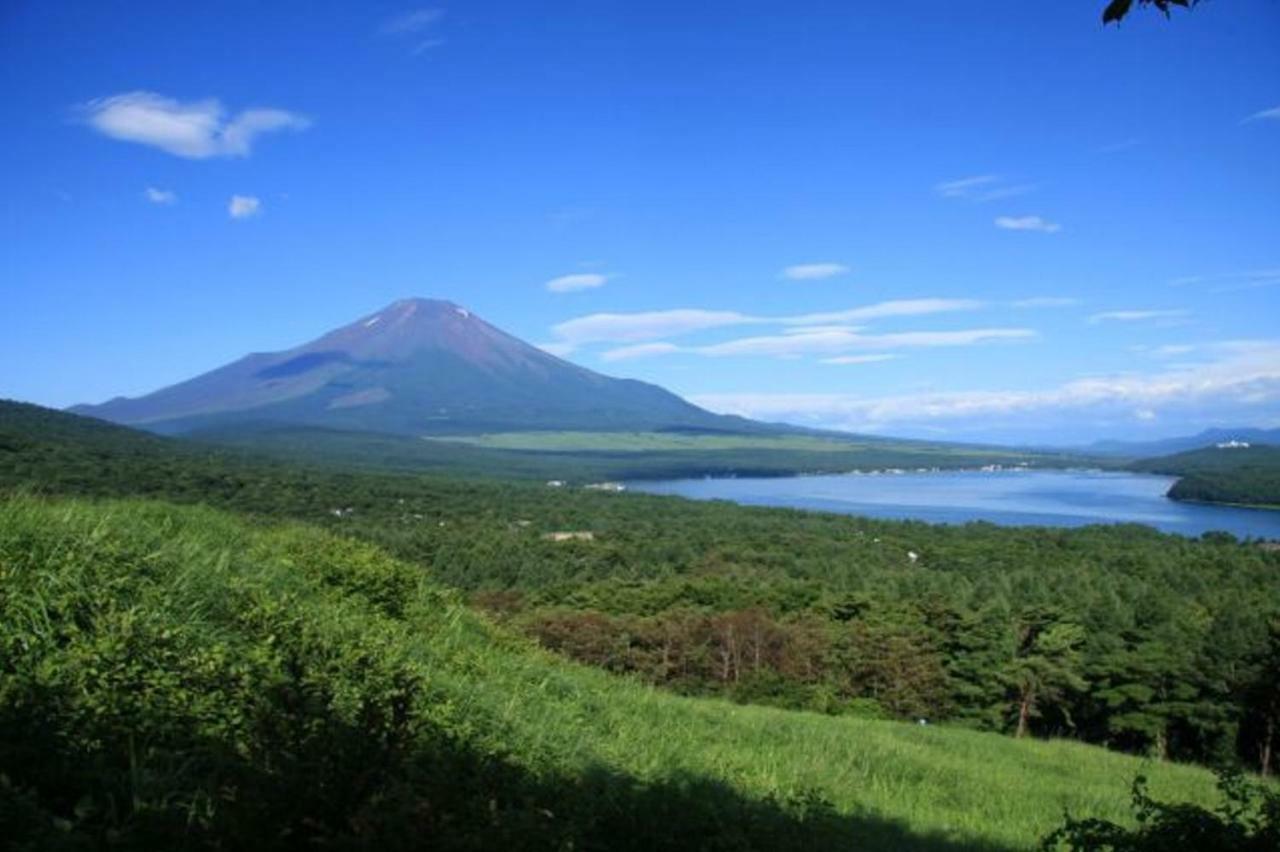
244, 206
1027, 223
650, 325
639, 350
837, 342
412, 21
160, 196
831, 342
580, 281
813, 329
196, 129
860, 359
982, 188
415, 24
965, 187
657, 325
1136, 316
1170, 350
1243, 379
1272, 114
1230, 282
881, 310
1046, 302
814, 271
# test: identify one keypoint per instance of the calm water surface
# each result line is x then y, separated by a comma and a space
1057, 498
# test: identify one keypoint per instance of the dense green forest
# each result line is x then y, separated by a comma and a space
1144, 642
1248, 475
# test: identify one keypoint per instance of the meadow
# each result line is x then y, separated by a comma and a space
691, 441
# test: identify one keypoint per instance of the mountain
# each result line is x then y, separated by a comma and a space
417, 366
1169, 446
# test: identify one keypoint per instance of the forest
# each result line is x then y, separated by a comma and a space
1244, 475
1147, 643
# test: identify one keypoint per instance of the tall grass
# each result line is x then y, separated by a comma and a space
175, 676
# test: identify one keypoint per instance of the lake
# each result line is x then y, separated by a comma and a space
1056, 498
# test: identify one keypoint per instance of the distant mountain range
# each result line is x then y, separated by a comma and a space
418, 366
1168, 446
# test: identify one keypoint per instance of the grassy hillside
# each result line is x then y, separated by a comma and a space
1246, 475
701, 442
178, 677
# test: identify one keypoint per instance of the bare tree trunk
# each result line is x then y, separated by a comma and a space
1267, 739
1162, 745
1024, 714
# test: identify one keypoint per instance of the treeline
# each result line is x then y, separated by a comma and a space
1122, 636
1182, 686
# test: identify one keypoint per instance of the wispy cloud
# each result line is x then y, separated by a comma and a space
160, 196
814, 271
658, 325
1272, 114
639, 350
982, 188
1027, 223
1046, 302
860, 359
415, 24
837, 342
883, 310
1230, 282
1137, 316
965, 187
647, 325
833, 344
1211, 349
413, 21
196, 129
243, 206
578, 281
1241, 380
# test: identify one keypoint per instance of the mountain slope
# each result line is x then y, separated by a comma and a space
1169, 446
417, 366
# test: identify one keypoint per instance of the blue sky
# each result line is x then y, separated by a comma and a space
900, 218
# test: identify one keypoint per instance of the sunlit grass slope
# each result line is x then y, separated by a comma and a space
176, 676
644, 442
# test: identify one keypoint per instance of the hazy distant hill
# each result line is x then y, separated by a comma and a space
1169, 446
417, 366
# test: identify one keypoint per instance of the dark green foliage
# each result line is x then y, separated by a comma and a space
1249, 475
1116, 10
1247, 820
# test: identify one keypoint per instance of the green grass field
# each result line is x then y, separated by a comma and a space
177, 669
646, 442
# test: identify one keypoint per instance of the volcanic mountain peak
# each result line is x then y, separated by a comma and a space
417, 365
